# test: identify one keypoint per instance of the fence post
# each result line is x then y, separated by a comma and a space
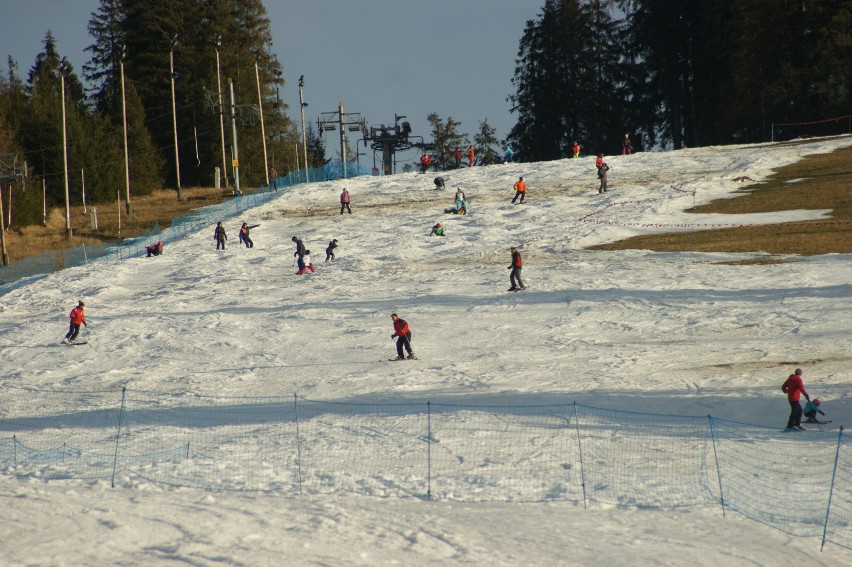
580, 449
716, 458
831, 488
15, 450
428, 450
298, 441
117, 436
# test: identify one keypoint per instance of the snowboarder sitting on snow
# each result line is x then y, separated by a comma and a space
401, 330
329, 251
437, 230
77, 317
439, 183
305, 264
811, 409
155, 249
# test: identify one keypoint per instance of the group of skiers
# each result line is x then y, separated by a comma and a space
221, 236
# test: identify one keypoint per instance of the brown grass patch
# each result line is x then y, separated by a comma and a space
823, 182
159, 207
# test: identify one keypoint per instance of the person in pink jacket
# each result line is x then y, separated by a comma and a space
794, 387
345, 200
78, 317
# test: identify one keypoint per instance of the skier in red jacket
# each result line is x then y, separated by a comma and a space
401, 330
793, 387
77, 317
515, 276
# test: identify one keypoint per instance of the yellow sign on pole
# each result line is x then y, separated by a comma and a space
235, 163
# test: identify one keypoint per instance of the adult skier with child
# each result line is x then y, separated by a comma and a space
794, 388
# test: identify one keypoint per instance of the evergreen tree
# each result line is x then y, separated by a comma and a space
316, 148
104, 71
484, 142
571, 81
445, 139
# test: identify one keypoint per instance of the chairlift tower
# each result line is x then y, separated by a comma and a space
330, 121
391, 139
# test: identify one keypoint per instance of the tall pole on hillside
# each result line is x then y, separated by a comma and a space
262, 129
302, 105
68, 233
342, 136
5, 257
221, 110
236, 151
174, 112
126, 154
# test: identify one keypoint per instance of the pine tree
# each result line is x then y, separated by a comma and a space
484, 142
104, 72
445, 139
316, 148
570, 81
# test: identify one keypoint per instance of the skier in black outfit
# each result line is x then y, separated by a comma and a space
329, 251
300, 252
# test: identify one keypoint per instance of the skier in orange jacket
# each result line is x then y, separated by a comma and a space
520, 190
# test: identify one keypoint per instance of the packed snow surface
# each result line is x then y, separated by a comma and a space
675, 333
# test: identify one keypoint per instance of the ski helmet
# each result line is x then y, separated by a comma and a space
816, 402
798, 372
438, 225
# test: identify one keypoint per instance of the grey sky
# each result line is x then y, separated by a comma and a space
380, 57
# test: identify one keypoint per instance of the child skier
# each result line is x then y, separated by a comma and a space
329, 251
811, 409
602, 169
437, 230
305, 264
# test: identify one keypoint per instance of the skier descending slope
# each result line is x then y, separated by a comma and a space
77, 317
401, 330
